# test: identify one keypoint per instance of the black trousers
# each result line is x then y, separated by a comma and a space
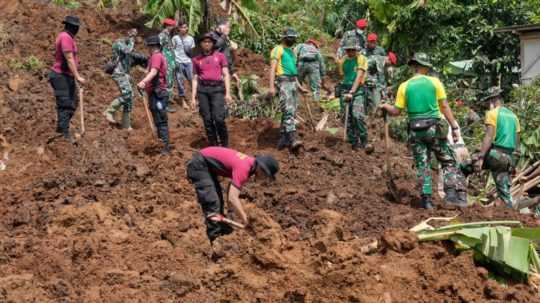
67, 99
209, 195
213, 112
158, 106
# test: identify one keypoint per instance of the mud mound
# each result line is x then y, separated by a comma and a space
110, 220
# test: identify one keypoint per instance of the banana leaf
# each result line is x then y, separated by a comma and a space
510, 248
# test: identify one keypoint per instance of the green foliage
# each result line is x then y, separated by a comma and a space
102, 4
70, 4
161, 9
30, 63
524, 102
255, 104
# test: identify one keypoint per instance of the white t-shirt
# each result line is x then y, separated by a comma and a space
179, 44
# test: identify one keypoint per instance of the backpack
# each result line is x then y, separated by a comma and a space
308, 52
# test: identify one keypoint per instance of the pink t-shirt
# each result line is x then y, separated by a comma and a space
229, 163
157, 61
64, 43
209, 67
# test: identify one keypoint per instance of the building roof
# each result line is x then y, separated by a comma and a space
519, 28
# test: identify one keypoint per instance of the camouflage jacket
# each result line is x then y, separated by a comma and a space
122, 49
165, 40
357, 35
376, 66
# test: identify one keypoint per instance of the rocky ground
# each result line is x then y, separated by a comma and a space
111, 220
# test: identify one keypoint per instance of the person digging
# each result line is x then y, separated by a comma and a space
155, 84
203, 170
424, 99
353, 67
501, 145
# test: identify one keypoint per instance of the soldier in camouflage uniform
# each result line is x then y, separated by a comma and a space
500, 148
167, 50
424, 99
375, 80
358, 35
122, 49
311, 66
353, 68
283, 73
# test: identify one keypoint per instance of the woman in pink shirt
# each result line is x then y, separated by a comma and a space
63, 75
211, 86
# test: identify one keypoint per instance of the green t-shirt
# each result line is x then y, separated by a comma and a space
506, 126
286, 61
420, 96
348, 68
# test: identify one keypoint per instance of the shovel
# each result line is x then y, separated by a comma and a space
81, 101
389, 177
346, 121
147, 110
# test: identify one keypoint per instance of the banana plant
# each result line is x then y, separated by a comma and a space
161, 9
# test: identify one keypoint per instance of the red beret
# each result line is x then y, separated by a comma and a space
169, 21
372, 37
361, 23
314, 42
392, 58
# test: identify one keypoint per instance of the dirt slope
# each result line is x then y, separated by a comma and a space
110, 220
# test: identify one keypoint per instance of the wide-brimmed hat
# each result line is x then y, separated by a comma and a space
209, 36
421, 59
268, 164
492, 92
289, 33
73, 20
350, 44
152, 40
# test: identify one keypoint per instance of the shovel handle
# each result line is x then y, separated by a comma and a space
147, 110
81, 101
233, 223
346, 121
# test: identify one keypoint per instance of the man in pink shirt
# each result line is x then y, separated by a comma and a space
212, 88
202, 171
63, 75
155, 84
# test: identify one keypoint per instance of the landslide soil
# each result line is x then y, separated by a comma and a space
110, 220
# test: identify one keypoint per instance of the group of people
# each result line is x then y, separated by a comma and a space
362, 64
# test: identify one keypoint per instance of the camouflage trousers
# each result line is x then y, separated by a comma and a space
171, 66
433, 140
356, 122
373, 98
126, 92
310, 71
499, 163
288, 103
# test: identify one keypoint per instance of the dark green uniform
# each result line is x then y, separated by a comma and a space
375, 79
420, 97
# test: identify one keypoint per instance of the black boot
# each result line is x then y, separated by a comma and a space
451, 196
293, 143
426, 202
164, 136
284, 141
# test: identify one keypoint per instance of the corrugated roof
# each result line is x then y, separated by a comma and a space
519, 28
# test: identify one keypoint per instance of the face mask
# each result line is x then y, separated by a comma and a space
73, 30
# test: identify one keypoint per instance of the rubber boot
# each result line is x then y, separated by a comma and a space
164, 136
451, 196
426, 202
284, 141
293, 143
109, 112
126, 120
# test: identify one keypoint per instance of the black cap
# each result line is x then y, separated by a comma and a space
268, 164
152, 40
208, 36
73, 20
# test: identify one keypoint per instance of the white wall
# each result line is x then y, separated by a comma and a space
530, 56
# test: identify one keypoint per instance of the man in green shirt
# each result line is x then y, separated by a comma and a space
283, 73
424, 99
353, 69
500, 148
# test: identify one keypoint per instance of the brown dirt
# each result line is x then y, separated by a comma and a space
110, 220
